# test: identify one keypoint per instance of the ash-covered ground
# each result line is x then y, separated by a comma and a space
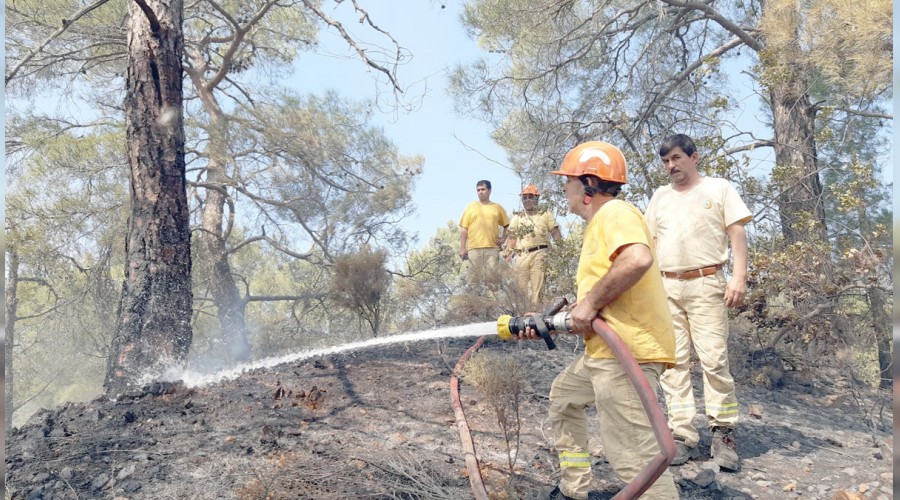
378, 423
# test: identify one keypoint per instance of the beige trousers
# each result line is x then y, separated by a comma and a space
700, 318
628, 439
530, 269
482, 265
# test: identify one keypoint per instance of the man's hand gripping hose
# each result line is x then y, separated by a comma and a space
551, 319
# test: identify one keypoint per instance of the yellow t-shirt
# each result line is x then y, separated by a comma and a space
531, 230
483, 221
641, 314
689, 227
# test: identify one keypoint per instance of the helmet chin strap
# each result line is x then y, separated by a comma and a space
588, 190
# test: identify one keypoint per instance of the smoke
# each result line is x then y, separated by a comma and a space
167, 117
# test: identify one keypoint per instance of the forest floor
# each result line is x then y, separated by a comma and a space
378, 423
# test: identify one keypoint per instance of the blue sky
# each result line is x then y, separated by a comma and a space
458, 151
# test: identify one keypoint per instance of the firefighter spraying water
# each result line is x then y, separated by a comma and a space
622, 316
553, 319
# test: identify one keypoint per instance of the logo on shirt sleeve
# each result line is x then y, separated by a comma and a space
707, 204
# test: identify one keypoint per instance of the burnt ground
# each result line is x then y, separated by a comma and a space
379, 424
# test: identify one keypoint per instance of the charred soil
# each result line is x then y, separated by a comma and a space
379, 424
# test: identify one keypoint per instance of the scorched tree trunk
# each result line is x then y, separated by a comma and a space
153, 330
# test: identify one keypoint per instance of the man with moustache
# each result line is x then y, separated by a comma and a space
529, 241
618, 280
692, 220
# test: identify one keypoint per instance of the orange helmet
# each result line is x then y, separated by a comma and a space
597, 158
530, 189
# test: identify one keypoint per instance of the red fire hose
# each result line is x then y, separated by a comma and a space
657, 464
475, 479
648, 475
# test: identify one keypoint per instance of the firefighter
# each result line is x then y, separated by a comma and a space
692, 220
480, 239
617, 279
529, 242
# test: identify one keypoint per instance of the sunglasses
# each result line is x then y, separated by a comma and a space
529, 196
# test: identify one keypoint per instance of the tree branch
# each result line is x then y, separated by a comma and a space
350, 41
748, 147
678, 79
65, 25
151, 16
714, 15
240, 31
799, 321
859, 112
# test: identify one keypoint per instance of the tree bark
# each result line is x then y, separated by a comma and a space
12, 302
796, 175
881, 321
230, 307
225, 294
153, 330
800, 203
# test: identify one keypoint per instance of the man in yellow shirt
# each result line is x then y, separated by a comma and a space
529, 242
479, 238
692, 220
618, 280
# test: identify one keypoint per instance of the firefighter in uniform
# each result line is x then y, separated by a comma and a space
529, 243
617, 279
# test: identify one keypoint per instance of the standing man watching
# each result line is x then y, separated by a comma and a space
479, 242
618, 280
529, 240
690, 219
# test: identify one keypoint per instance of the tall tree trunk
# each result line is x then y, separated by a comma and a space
12, 302
796, 174
153, 330
881, 321
214, 237
800, 203
225, 294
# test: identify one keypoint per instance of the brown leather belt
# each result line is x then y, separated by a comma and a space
693, 273
535, 249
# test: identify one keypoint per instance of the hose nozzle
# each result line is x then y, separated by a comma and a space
511, 326
552, 320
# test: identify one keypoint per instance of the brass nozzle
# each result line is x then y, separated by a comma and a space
503, 327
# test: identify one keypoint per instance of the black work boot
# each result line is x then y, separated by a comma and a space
683, 452
723, 449
555, 494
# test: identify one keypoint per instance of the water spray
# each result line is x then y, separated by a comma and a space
551, 319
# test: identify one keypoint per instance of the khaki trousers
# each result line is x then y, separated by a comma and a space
628, 439
700, 318
482, 265
530, 269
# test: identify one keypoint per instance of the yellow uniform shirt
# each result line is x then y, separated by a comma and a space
483, 221
531, 230
641, 314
